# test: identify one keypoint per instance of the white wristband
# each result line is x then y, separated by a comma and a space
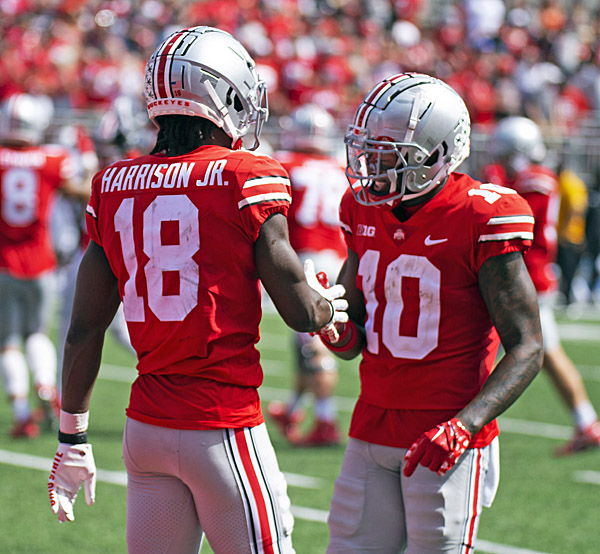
73, 423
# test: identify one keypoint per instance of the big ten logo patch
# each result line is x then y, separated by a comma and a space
365, 230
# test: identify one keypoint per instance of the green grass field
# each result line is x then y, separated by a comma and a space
544, 504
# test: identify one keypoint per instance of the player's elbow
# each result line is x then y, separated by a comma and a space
537, 349
529, 351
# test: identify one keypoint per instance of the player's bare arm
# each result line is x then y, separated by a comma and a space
78, 188
282, 275
512, 303
95, 304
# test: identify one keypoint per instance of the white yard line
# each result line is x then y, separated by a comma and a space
579, 332
300, 512
534, 428
346, 404
591, 477
120, 477
495, 548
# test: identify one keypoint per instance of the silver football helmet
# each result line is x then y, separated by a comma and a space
409, 133
205, 72
308, 128
122, 127
517, 142
24, 118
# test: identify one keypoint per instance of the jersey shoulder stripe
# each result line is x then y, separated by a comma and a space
346, 227
90, 210
501, 220
258, 181
266, 197
523, 235
536, 179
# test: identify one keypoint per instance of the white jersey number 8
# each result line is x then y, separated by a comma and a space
20, 190
162, 258
428, 325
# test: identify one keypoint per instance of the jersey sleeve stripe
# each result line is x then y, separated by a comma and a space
270, 180
524, 235
546, 186
91, 211
501, 220
345, 227
261, 198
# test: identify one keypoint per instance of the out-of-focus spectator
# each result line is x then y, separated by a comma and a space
84, 55
483, 21
592, 233
571, 228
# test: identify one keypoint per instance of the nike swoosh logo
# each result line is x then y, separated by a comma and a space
429, 241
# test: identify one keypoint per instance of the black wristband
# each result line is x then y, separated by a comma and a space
332, 313
75, 438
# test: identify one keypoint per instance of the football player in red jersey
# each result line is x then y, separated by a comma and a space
435, 280
30, 175
518, 148
318, 183
182, 237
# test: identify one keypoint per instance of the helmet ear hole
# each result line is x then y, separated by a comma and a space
432, 160
237, 104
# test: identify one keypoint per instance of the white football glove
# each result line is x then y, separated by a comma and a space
334, 296
73, 465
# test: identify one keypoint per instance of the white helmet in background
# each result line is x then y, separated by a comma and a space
123, 126
24, 118
205, 72
518, 142
308, 128
410, 130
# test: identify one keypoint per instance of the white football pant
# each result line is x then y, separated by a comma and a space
183, 484
376, 509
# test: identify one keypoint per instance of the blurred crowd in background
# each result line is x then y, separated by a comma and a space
537, 58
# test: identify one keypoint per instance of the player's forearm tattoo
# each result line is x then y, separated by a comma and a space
512, 303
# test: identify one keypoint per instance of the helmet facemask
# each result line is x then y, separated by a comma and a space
251, 110
390, 171
410, 132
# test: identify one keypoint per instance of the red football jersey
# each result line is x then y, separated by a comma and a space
28, 180
430, 341
179, 235
539, 186
318, 184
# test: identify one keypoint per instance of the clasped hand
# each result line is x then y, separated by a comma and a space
333, 295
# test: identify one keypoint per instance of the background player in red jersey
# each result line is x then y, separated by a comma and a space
318, 183
182, 236
124, 131
518, 148
30, 175
435, 279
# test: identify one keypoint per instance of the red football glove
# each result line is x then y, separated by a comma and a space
439, 448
